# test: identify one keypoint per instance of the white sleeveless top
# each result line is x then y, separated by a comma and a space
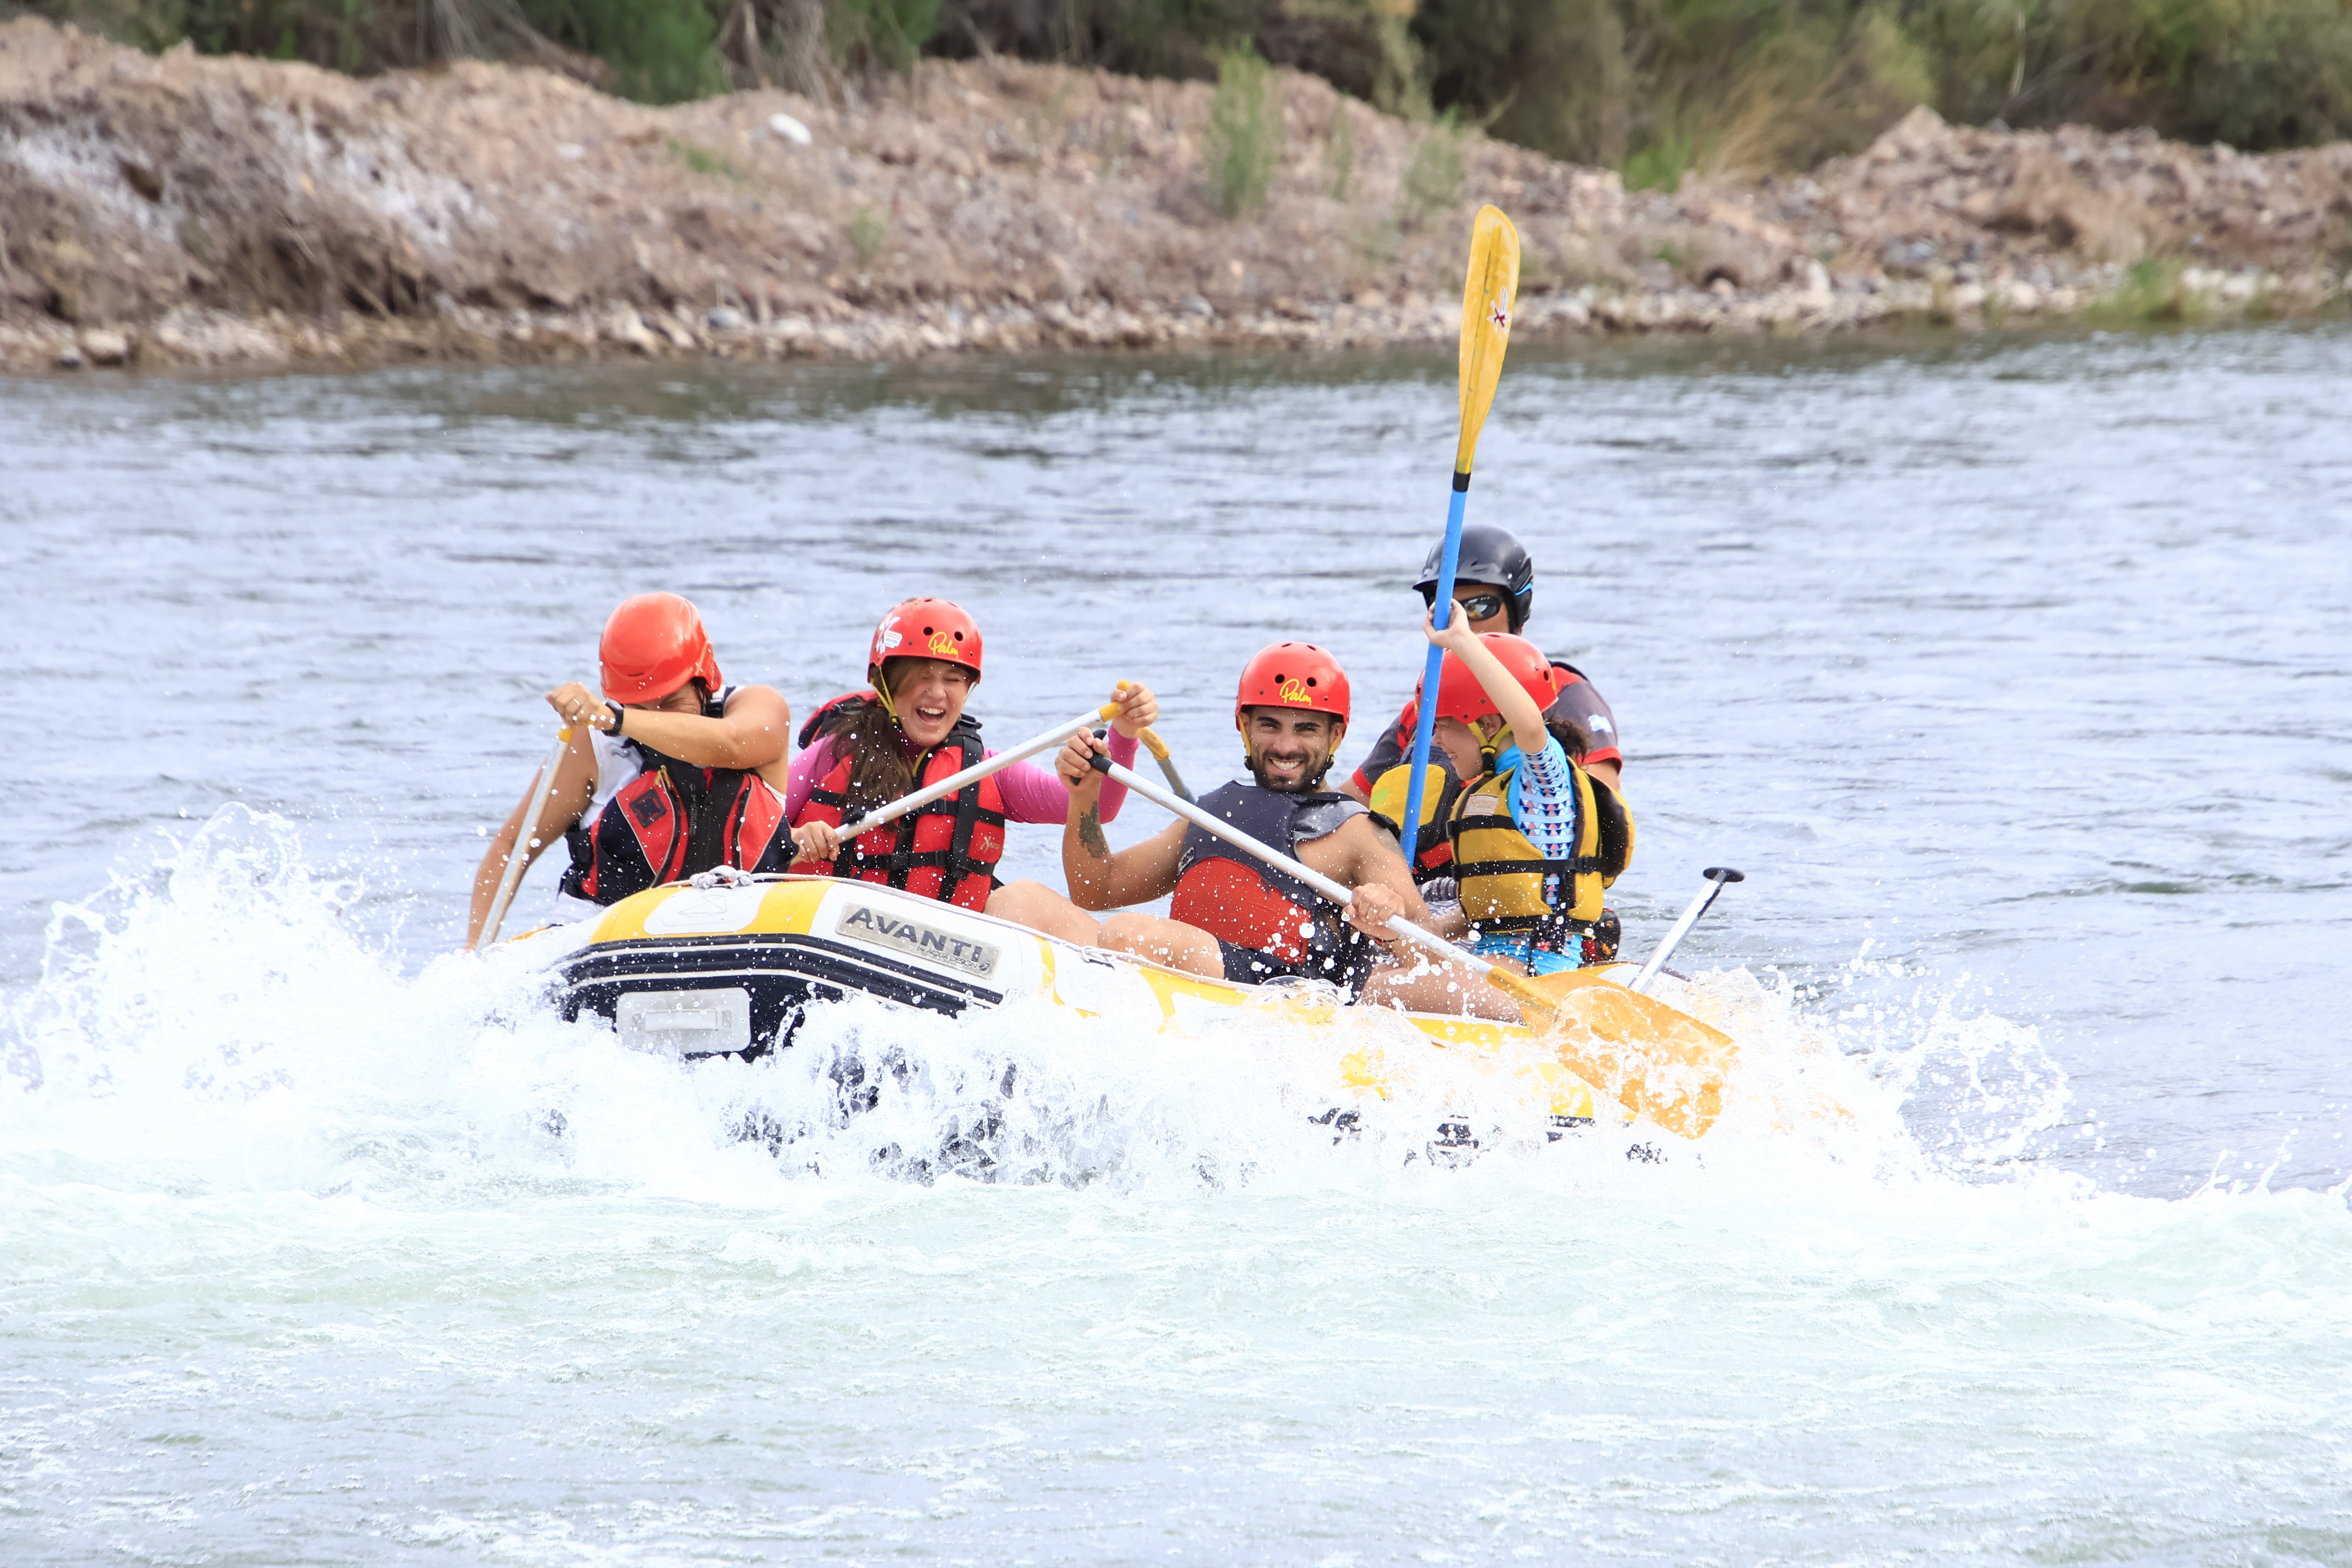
617, 763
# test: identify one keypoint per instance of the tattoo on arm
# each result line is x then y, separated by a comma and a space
1090, 832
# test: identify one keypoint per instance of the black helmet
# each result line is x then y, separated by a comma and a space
1490, 553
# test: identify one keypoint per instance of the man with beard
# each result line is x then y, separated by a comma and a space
1236, 918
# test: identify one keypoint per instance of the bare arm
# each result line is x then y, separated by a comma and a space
1520, 715
1609, 773
574, 787
1100, 879
753, 735
1376, 871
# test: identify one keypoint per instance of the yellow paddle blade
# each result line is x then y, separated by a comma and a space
1487, 299
1659, 1063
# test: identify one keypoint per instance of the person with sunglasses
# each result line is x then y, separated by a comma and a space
1495, 587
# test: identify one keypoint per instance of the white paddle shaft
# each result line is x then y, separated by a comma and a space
851, 827
1717, 878
542, 785
1336, 891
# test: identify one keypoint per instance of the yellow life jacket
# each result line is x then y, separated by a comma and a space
1432, 854
1503, 875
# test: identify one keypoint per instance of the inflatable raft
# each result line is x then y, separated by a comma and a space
730, 968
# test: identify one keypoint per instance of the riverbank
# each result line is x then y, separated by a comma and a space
187, 210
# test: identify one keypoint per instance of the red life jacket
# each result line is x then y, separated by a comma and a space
1238, 899
946, 850
672, 821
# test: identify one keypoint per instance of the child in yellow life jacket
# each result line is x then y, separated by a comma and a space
1535, 838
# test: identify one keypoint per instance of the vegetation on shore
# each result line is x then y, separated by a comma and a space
1653, 87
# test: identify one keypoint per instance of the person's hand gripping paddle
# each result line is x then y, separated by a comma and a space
1487, 297
1659, 1063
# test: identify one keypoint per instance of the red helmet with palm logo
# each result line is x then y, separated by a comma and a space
1294, 675
652, 645
927, 629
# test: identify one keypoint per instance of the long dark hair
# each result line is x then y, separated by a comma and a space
1572, 736
865, 732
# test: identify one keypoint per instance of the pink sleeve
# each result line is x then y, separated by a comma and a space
1035, 792
813, 763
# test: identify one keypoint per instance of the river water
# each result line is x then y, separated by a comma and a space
2017, 676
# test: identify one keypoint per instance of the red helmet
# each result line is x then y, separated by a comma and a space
927, 629
1460, 696
652, 645
1294, 675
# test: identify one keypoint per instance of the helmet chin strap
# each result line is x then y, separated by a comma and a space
1490, 747
882, 694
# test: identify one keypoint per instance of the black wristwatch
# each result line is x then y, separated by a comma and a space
619, 713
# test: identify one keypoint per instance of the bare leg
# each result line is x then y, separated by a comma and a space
1172, 943
1039, 906
1420, 984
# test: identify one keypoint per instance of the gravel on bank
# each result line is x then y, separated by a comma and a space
192, 210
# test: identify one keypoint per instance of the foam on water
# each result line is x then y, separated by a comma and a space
213, 1024
942, 1273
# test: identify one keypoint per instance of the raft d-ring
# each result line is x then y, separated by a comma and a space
720, 877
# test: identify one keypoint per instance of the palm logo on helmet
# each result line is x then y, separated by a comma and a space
654, 644
1293, 675
933, 628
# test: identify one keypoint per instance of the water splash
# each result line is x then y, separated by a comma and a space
214, 1022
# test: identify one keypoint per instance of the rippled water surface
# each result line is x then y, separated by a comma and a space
2017, 677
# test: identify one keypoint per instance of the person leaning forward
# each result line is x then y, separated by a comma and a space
1495, 585
1236, 918
667, 774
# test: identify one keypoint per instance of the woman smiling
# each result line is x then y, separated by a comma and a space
909, 729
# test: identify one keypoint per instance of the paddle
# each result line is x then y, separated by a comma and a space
1717, 878
542, 789
855, 823
1158, 750
1660, 1063
1486, 297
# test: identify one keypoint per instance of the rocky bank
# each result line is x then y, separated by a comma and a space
187, 210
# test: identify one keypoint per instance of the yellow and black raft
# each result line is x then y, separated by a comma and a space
729, 966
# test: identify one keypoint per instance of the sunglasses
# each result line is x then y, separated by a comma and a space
1478, 606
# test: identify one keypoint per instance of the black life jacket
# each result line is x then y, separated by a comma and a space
816, 724
673, 820
1239, 899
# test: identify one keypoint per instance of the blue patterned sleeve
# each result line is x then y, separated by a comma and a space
1543, 800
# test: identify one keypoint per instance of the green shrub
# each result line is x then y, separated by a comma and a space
2254, 73
870, 231
1661, 165
1654, 88
887, 35
702, 159
1339, 154
2151, 292
1432, 180
661, 51
1244, 136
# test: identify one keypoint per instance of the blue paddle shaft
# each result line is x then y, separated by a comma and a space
1424, 727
